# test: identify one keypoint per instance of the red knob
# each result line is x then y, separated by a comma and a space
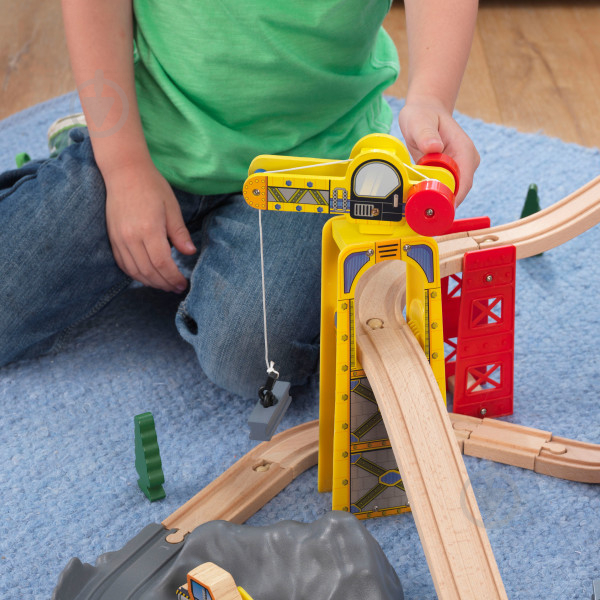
430, 208
444, 161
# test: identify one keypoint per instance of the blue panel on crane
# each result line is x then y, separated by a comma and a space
352, 265
423, 256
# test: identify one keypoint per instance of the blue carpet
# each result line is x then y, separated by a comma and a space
66, 444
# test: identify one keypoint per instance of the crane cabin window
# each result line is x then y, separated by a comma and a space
376, 179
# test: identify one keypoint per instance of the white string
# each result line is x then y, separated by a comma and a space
423, 177
339, 162
324, 164
270, 364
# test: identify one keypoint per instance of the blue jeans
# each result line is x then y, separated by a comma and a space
57, 269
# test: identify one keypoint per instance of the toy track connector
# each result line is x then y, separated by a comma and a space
273, 400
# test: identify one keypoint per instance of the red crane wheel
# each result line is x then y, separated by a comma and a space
436, 159
430, 208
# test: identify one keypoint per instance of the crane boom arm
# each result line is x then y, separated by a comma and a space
375, 183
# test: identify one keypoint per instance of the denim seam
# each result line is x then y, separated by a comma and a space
9, 193
200, 212
16, 185
112, 293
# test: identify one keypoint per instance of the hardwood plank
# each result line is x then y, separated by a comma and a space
544, 75
477, 97
534, 65
34, 64
585, 63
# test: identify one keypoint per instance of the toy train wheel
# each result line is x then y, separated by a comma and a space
430, 208
437, 159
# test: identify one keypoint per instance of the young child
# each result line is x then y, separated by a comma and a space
171, 136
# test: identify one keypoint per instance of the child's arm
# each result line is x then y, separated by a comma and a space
439, 34
142, 213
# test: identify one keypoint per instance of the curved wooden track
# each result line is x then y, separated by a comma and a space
250, 482
421, 433
457, 549
528, 448
537, 233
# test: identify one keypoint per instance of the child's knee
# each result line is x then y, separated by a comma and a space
229, 362
234, 359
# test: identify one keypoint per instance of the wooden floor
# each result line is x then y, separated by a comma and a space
535, 64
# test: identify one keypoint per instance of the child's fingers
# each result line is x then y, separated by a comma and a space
467, 158
161, 267
466, 182
424, 130
153, 268
128, 265
177, 232
123, 259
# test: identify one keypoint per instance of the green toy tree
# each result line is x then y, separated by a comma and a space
532, 204
147, 457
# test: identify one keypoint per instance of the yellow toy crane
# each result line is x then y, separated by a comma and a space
376, 184
384, 208
210, 582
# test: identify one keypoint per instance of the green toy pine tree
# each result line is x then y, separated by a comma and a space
147, 457
532, 204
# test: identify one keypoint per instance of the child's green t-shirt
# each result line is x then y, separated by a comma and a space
221, 81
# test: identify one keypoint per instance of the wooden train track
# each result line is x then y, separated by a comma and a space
528, 448
445, 509
259, 475
540, 232
421, 433
457, 549
250, 482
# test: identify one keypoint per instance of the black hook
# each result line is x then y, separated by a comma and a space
265, 393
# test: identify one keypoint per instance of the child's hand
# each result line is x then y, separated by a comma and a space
142, 215
428, 127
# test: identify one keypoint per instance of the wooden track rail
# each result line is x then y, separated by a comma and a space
250, 482
421, 433
448, 520
532, 449
243, 489
537, 233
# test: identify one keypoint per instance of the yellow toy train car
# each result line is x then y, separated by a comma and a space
210, 582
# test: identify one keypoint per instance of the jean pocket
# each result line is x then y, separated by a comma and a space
10, 181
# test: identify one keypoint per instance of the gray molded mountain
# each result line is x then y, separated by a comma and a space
333, 558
